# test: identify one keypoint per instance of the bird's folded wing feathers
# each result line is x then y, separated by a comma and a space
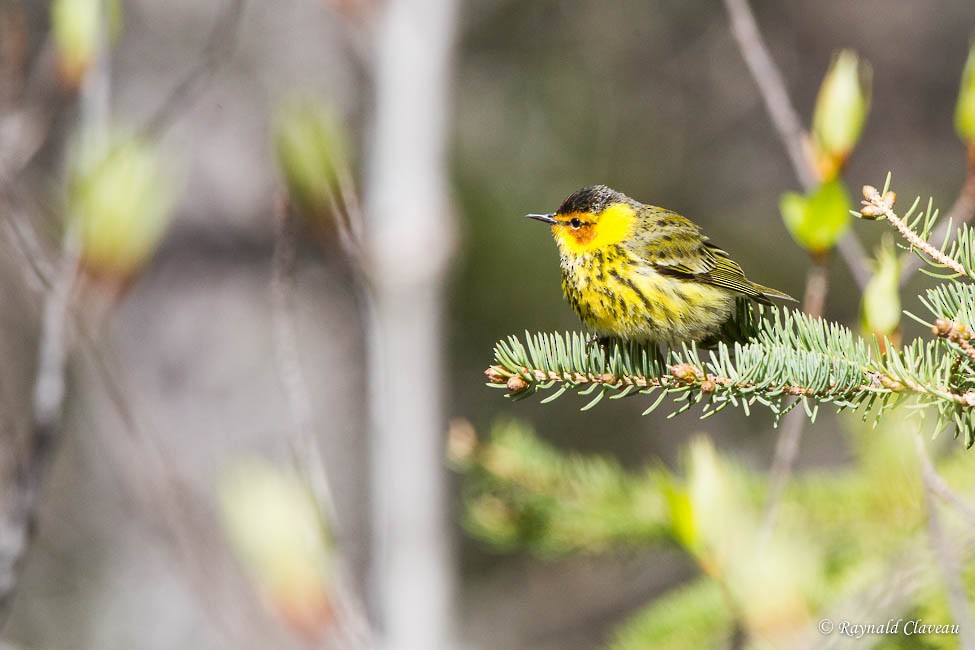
689, 254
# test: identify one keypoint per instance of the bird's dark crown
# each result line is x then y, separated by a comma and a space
593, 199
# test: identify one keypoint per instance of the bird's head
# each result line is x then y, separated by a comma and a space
591, 219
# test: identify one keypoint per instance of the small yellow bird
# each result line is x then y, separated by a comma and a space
641, 273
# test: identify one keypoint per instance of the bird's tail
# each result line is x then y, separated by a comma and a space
766, 294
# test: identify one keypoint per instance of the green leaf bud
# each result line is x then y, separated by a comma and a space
274, 527
311, 149
880, 310
76, 29
841, 110
965, 108
121, 202
818, 221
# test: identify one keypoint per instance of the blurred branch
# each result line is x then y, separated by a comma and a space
786, 120
787, 445
20, 517
360, 19
49, 391
944, 554
409, 246
221, 41
937, 486
766, 74
164, 498
13, 52
784, 116
304, 448
353, 626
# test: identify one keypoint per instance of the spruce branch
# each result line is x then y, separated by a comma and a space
522, 493
957, 334
956, 255
792, 355
961, 212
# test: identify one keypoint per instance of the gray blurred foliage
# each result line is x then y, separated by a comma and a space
651, 98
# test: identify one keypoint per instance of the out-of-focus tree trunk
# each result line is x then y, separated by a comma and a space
410, 237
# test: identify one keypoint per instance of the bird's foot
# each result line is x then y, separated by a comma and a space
602, 341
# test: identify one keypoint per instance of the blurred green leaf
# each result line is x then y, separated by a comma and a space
120, 198
77, 32
312, 149
880, 310
690, 617
681, 512
273, 524
965, 108
817, 222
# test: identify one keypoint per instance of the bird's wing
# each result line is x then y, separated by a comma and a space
672, 245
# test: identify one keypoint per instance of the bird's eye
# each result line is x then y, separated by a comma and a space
576, 224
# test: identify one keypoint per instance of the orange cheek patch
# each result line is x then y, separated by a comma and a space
583, 235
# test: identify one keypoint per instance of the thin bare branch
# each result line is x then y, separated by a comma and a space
936, 484
783, 463
945, 555
766, 74
352, 628
304, 447
786, 120
221, 42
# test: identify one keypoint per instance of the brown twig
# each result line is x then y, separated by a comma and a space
786, 120
875, 205
686, 375
772, 87
944, 553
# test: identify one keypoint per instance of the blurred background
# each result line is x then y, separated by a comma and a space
651, 98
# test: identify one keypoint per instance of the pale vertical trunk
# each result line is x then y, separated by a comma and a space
410, 235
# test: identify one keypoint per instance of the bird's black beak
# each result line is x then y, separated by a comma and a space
546, 218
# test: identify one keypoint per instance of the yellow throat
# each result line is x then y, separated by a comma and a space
595, 231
